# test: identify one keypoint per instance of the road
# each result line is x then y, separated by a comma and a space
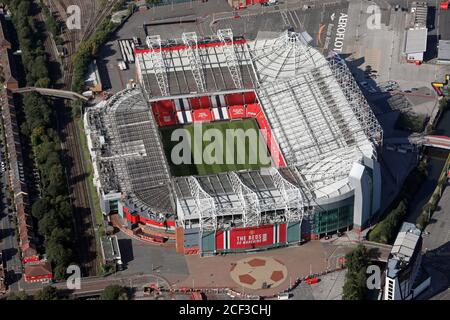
94, 285
436, 248
8, 242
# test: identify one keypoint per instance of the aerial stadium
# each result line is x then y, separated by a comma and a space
313, 123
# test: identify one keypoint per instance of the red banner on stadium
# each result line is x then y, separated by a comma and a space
202, 115
251, 237
253, 110
237, 112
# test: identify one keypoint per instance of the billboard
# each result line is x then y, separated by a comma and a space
251, 237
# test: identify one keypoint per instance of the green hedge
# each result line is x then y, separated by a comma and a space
386, 229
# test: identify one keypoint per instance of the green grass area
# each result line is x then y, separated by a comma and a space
218, 154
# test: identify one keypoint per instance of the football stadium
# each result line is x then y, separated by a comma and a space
308, 167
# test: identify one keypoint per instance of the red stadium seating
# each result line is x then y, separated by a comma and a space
166, 119
237, 112
202, 115
234, 99
202, 102
205, 102
250, 97
195, 103
253, 110
270, 140
163, 106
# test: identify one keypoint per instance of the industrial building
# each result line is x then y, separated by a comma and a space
319, 129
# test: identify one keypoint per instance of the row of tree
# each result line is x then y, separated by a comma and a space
111, 292
356, 262
52, 24
52, 210
31, 41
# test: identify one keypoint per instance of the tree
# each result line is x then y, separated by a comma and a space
47, 293
21, 295
40, 208
356, 262
357, 259
354, 286
114, 292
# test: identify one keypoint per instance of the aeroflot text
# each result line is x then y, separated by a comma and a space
340, 33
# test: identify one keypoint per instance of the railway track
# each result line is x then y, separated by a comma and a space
84, 223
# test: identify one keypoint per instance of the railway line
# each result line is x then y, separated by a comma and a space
84, 222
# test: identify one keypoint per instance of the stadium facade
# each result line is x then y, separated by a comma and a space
320, 131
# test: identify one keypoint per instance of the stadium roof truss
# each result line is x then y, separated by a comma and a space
192, 65
154, 42
226, 37
190, 40
325, 124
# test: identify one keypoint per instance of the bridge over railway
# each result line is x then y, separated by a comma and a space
435, 141
53, 93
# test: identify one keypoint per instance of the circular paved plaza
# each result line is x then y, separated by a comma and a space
258, 272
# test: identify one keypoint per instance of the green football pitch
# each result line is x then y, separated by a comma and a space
233, 146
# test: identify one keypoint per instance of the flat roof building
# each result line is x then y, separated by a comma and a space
416, 44
419, 11
403, 267
110, 250
444, 52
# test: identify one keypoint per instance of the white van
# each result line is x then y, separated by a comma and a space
283, 296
